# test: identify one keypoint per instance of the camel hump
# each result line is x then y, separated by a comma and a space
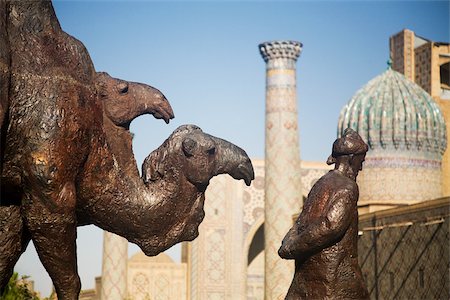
46, 49
53, 105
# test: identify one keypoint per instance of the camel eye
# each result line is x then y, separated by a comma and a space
188, 146
212, 151
122, 88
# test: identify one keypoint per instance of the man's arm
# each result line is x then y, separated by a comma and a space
329, 228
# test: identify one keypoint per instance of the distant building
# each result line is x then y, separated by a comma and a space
149, 278
422, 61
92, 294
406, 134
157, 277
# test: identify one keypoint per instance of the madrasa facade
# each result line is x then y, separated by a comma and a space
404, 116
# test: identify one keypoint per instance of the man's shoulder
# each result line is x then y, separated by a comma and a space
335, 182
337, 177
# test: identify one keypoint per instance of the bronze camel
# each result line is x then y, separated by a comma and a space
67, 157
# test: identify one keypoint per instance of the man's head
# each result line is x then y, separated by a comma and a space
351, 149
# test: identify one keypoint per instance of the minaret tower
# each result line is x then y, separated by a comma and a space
283, 195
114, 267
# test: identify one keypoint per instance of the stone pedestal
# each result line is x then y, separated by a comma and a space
283, 195
114, 267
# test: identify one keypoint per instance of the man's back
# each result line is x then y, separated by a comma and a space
324, 239
332, 270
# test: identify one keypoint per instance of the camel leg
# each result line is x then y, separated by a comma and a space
53, 232
14, 239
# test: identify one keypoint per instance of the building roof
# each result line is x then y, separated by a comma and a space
392, 112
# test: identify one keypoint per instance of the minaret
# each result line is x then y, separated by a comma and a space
283, 195
114, 267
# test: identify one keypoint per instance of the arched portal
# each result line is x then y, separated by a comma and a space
257, 244
255, 265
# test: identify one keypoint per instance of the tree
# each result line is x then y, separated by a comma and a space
17, 289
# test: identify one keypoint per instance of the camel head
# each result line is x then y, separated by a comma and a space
201, 157
124, 101
182, 168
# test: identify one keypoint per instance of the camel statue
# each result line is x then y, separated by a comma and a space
67, 155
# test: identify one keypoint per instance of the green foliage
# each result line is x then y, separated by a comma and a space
16, 289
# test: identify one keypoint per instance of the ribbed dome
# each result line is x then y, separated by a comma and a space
392, 112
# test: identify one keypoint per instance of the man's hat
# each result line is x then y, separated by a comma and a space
349, 143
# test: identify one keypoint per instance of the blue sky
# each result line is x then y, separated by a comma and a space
204, 57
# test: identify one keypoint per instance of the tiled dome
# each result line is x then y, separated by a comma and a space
392, 112
406, 133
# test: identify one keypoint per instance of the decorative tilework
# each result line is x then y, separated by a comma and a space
310, 175
278, 101
216, 296
156, 277
392, 112
215, 256
114, 267
403, 185
253, 198
406, 133
140, 285
162, 285
215, 251
255, 278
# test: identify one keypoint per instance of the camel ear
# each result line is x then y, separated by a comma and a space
100, 82
102, 88
152, 168
189, 146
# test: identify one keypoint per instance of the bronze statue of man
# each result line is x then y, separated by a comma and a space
324, 239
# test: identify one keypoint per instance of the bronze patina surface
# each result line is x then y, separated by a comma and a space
324, 239
5, 61
67, 154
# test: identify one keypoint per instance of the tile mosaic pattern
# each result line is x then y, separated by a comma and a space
253, 196
445, 107
253, 199
156, 277
254, 212
392, 112
215, 256
114, 267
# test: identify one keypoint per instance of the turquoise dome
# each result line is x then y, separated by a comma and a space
393, 113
